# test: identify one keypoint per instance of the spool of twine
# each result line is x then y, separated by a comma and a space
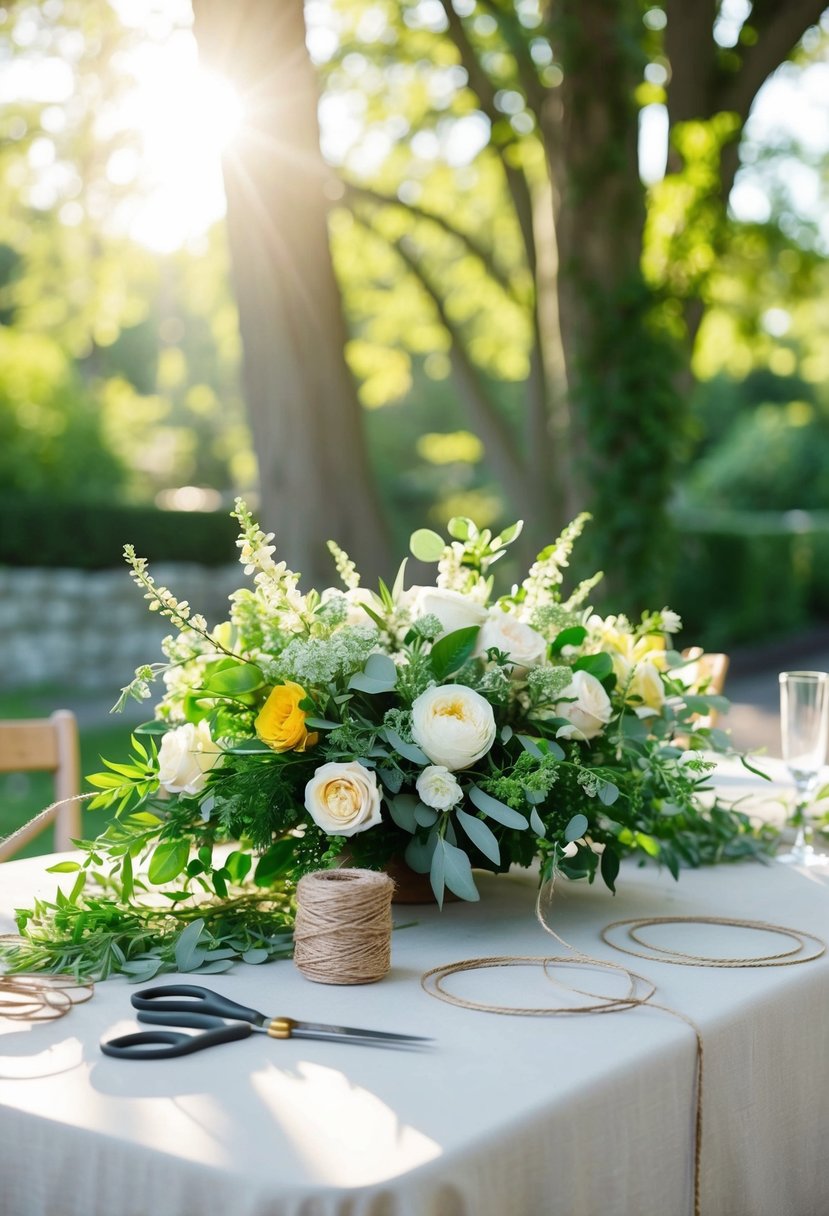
343, 926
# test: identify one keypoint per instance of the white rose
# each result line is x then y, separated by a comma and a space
185, 757
584, 704
438, 788
647, 684
343, 799
524, 646
453, 609
453, 725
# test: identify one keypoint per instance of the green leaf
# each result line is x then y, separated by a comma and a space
168, 860
127, 879
425, 816
499, 811
437, 877
541, 747
608, 793
574, 636
451, 652
537, 824
598, 665
402, 810
609, 866
410, 751
322, 724
509, 534
232, 679
186, 948
238, 866
255, 956
577, 826
381, 667
460, 528
419, 853
648, 844
275, 863
426, 545
481, 836
457, 872
64, 867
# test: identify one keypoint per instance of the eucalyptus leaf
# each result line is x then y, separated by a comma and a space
426, 545
418, 854
537, 824
495, 809
409, 751
576, 828
402, 810
425, 815
187, 945
481, 836
457, 872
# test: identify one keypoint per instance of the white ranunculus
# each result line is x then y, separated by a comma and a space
438, 788
185, 757
585, 705
343, 799
524, 645
453, 725
453, 609
647, 684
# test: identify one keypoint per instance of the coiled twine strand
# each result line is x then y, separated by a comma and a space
343, 926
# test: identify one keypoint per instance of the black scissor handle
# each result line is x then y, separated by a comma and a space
165, 1044
193, 1000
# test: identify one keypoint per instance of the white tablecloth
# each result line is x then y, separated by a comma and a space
572, 1116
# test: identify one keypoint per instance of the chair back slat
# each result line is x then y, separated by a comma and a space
45, 745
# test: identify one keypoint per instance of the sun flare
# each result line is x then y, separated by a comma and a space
185, 118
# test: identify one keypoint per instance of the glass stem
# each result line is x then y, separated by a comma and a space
802, 842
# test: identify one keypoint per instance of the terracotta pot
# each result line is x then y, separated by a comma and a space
410, 887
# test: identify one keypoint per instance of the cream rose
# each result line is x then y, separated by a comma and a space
438, 788
453, 609
343, 799
524, 645
453, 725
585, 705
647, 685
185, 757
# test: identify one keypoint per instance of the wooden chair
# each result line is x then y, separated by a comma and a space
45, 745
710, 670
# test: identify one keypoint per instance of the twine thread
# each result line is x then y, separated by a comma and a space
640, 991
28, 997
342, 933
23, 833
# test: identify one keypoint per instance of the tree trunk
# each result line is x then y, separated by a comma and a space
315, 479
622, 412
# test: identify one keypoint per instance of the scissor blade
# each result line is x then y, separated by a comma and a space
319, 1030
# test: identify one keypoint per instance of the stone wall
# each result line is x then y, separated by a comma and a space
91, 629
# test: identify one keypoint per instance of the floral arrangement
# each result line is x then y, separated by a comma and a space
439, 727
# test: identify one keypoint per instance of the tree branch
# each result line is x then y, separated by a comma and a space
484, 414
469, 242
483, 88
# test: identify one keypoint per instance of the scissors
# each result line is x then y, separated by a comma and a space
204, 1010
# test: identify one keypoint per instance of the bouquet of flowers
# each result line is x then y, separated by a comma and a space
438, 727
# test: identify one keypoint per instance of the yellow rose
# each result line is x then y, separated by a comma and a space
281, 722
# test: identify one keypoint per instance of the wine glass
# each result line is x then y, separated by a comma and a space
804, 722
